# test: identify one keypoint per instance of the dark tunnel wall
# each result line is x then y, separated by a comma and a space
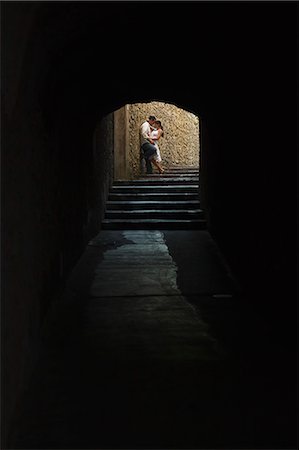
67, 65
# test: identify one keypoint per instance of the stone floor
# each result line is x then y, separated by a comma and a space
154, 345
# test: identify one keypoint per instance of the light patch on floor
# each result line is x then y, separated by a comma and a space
141, 267
136, 301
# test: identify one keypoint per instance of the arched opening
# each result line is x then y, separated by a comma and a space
180, 145
117, 159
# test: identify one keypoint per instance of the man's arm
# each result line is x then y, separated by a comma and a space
144, 131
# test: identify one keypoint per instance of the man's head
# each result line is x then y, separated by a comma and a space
151, 120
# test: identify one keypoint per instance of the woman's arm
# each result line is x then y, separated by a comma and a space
158, 135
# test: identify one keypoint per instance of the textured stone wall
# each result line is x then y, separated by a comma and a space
31, 234
49, 211
102, 171
180, 143
122, 166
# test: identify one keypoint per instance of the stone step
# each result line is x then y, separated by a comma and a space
177, 173
156, 202
175, 188
155, 214
182, 168
157, 181
154, 224
169, 173
153, 196
152, 204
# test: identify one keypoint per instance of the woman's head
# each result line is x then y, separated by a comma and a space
158, 125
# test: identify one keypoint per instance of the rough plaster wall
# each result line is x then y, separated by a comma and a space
120, 144
180, 143
103, 168
44, 202
31, 215
31, 239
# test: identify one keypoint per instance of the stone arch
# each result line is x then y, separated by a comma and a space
180, 144
116, 151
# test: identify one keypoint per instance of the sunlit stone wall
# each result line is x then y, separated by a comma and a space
180, 144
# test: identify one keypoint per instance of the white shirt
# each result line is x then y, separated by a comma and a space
145, 131
154, 134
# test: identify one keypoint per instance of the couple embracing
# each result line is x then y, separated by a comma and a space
150, 132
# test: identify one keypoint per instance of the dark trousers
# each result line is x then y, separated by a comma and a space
148, 150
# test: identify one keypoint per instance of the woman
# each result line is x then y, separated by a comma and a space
156, 133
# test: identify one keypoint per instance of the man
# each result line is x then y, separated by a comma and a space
147, 147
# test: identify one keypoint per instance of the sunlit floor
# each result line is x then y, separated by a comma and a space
154, 345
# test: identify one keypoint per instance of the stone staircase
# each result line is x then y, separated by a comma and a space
168, 201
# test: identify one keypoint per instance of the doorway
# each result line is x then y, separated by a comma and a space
179, 147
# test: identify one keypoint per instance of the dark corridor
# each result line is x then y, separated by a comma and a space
66, 66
